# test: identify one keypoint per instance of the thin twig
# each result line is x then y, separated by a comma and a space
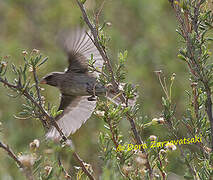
114, 139
98, 14
188, 163
37, 86
44, 123
90, 176
161, 170
66, 174
11, 154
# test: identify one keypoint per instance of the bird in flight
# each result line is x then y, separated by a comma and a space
77, 85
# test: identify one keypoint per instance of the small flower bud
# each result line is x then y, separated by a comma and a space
88, 167
158, 72
140, 158
194, 84
155, 121
142, 172
162, 152
158, 120
170, 146
30, 69
142, 155
207, 149
153, 138
157, 175
121, 87
35, 51
35, 145
24, 52
4, 64
27, 160
140, 161
67, 176
161, 120
173, 77
99, 113
48, 170
127, 169
109, 24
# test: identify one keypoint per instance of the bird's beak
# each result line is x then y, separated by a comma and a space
43, 81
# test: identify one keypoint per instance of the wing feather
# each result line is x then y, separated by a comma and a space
74, 115
79, 47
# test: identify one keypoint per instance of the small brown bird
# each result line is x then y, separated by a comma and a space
77, 85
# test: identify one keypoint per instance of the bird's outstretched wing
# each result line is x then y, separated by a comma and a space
79, 47
77, 109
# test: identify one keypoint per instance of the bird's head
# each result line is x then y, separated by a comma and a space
50, 79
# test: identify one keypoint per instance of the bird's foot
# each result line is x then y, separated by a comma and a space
91, 98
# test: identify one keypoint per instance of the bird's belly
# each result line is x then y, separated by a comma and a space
76, 90
81, 85
83, 89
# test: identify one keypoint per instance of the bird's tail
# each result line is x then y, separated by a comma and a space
118, 98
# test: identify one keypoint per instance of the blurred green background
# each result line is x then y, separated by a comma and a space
145, 28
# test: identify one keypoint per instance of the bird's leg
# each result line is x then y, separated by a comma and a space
91, 90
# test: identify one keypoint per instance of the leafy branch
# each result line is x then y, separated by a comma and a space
194, 23
34, 106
